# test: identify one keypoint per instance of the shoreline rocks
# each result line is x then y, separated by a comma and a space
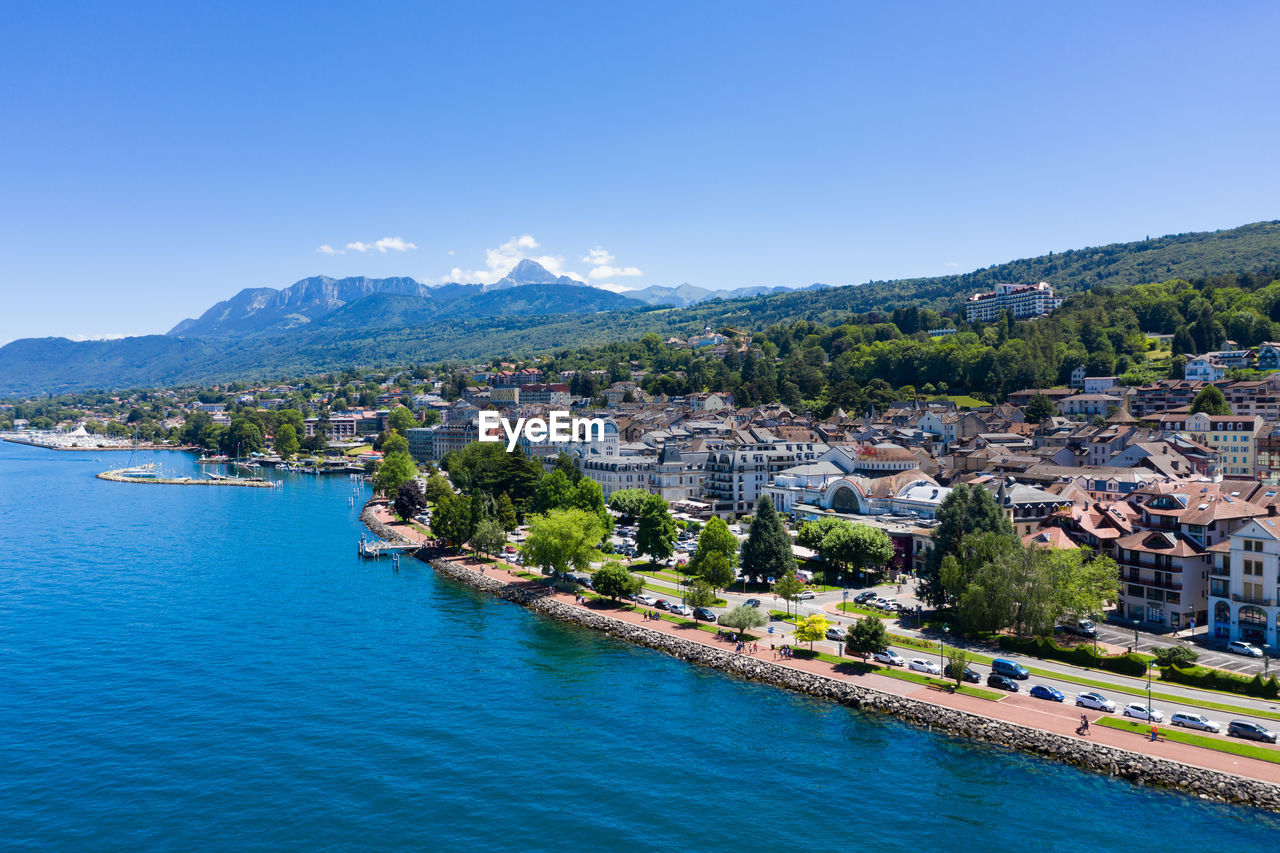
1088, 755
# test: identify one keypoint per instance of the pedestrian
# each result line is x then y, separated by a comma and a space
1155, 732
755, 648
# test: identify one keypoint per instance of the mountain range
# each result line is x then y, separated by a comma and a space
321, 323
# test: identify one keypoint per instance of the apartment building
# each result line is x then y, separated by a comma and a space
1233, 437
1024, 300
1244, 594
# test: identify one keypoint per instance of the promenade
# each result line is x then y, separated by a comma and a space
1058, 718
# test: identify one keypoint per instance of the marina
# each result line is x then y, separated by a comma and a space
149, 474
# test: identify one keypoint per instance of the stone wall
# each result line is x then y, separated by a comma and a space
1143, 769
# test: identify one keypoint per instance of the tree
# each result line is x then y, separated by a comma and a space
700, 594
562, 539
716, 570
656, 532
394, 443
1082, 583
866, 637
742, 617
857, 546
767, 551
286, 441
810, 629
489, 537
241, 438
451, 519
587, 496
612, 579
507, 513
966, 511
437, 487
401, 419
628, 502
957, 661
570, 466
1175, 656
554, 491
396, 468
409, 500
1038, 408
1210, 401
788, 588
715, 538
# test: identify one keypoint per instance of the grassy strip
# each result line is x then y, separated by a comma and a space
900, 674
850, 607
1247, 750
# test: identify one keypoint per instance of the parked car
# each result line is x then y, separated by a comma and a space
1199, 722
924, 665
647, 600
1044, 691
970, 674
1096, 701
752, 602
863, 597
1009, 668
1250, 731
1081, 627
808, 595
662, 604
681, 609
1142, 712
704, 614
890, 657
1240, 647
835, 632
1002, 682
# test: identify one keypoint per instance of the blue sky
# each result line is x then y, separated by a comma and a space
159, 157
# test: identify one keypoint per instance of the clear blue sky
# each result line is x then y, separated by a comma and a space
156, 158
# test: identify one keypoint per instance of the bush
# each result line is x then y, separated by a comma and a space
1216, 679
1043, 647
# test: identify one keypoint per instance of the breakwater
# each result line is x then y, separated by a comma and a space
118, 476
1132, 766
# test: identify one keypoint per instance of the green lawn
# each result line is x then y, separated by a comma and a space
1219, 744
857, 666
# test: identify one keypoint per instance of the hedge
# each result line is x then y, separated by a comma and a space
1216, 679
1044, 647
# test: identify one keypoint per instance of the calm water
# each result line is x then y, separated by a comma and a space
214, 669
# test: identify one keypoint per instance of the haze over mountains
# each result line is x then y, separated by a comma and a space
260, 309
321, 323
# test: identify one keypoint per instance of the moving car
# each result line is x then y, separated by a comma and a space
1044, 691
1142, 712
647, 600
864, 597
835, 632
681, 609
970, 674
1250, 731
924, 665
752, 602
1003, 682
1009, 668
1240, 647
808, 595
1081, 627
1096, 701
1199, 722
704, 614
890, 657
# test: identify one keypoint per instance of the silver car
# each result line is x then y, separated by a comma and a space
1096, 701
1199, 722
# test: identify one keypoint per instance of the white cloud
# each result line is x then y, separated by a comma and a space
104, 336
597, 257
500, 261
395, 244
952, 264
614, 272
615, 288
386, 244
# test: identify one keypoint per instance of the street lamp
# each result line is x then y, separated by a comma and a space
1136, 623
942, 654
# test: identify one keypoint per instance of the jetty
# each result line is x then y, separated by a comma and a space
377, 547
149, 475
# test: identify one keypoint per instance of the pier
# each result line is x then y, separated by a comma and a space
134, 475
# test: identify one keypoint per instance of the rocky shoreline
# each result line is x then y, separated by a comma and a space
1143, 769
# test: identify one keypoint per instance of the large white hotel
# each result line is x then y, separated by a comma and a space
1025, 300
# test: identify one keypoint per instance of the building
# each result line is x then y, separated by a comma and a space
1233, 437
1244, 585
1204, 368
555, 395
1024, 300
341, 427
1089, 405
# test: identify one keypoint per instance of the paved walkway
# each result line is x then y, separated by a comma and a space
1014, 708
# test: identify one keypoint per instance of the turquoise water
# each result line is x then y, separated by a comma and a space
214, 669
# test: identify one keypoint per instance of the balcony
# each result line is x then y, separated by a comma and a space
1249, 599
1134, 577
